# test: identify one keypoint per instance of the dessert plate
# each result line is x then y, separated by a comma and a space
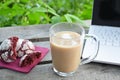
15, 65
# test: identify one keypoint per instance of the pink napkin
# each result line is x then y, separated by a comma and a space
15, 65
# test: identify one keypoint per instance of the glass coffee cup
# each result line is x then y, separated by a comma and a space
66, 43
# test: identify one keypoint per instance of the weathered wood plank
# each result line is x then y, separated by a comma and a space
39, 35
28, 32
35, 31
92, 71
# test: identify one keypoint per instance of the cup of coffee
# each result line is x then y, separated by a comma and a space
66, 43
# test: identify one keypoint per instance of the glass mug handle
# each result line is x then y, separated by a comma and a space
91, 57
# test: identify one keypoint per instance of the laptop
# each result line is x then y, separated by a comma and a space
106, 26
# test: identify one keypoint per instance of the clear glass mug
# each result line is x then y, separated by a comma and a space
66, 43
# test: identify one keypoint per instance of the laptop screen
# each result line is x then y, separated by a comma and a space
106, 12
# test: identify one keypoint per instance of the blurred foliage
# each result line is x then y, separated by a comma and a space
29, 12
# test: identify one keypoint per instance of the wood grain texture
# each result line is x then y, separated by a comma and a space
39, 35
92, 71
26, 32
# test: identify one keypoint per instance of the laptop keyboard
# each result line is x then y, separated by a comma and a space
109, 36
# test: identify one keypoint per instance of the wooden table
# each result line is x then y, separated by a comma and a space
38, 34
